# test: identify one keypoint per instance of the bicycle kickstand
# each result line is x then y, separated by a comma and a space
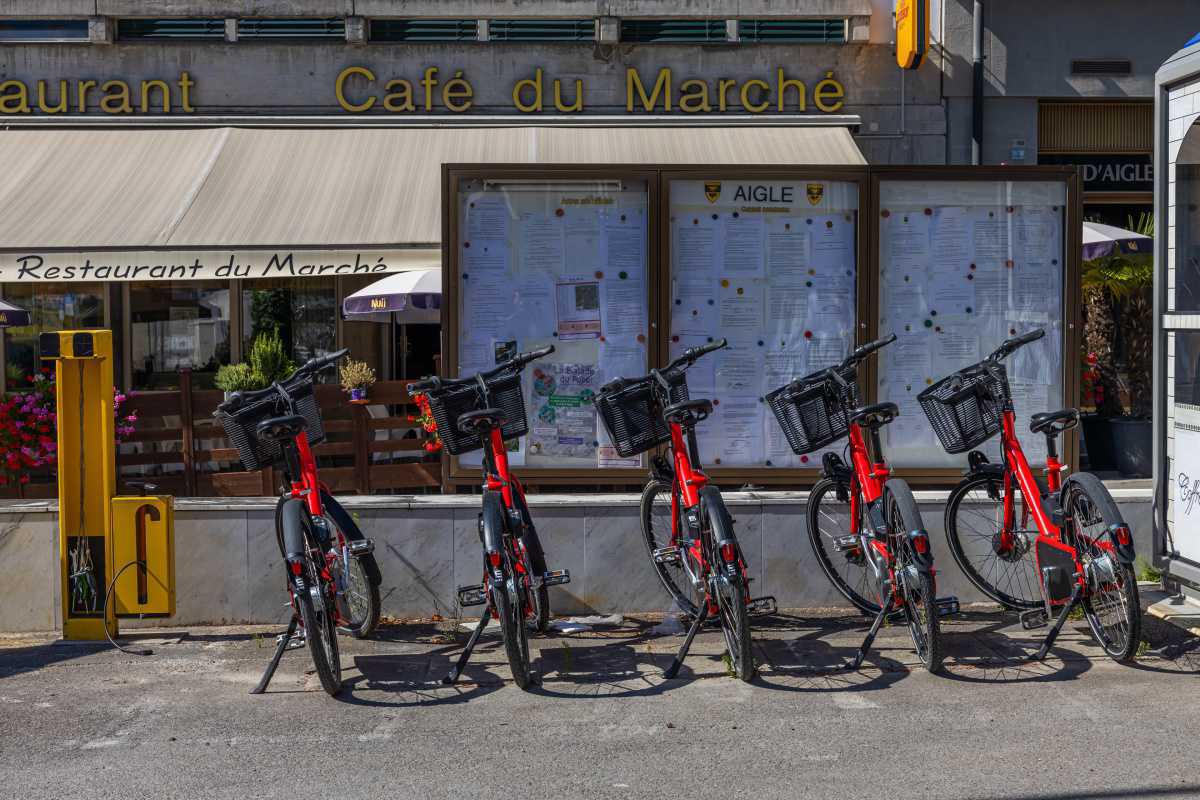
1044, 650
885, 611
457, 669
284, 640
673, 670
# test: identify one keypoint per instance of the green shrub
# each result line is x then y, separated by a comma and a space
238, 378
269, 359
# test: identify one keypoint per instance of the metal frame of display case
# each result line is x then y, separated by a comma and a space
658, 179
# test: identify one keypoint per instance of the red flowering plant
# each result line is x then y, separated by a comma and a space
28, 433
1091, 388
427, 422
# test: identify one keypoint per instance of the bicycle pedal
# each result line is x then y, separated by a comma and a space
556, 577
846, 544
1034, 618
762, 606
295, 641
472, 595
667, 555
361, 547
946, 606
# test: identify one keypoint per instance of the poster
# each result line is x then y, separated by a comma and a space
1185, 482
559, 265
779, 281
957, 278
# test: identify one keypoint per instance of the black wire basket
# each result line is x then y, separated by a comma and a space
632, 417
449, 403
240, 423
814, 411
965, 408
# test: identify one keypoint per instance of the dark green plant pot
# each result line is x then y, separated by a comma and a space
1132, 440
1098, 441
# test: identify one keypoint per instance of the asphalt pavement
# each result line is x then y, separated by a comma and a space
85, 721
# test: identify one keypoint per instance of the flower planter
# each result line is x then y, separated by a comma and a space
359, 396
1132, 441
1098, 440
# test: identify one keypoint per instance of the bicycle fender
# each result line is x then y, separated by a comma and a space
347, 526
291, 519
491, 523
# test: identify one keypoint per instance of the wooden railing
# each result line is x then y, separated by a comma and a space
178, 445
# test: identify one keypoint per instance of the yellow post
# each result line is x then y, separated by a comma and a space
86, 477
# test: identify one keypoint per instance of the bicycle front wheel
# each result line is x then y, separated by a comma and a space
916, 586
512, 628
1004, 571
829, 519
661, 529
1110, 602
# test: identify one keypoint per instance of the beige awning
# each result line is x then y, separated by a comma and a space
334, 189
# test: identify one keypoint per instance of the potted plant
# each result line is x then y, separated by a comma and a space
267, 362
356, 378
428, 424
1117, 303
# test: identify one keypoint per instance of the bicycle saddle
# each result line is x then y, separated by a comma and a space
875, 415
475, 422
688, 411
1054, 421
277, 428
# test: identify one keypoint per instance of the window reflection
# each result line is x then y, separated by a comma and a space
51, 307
302, 310
178, 326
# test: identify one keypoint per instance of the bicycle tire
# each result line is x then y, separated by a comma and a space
1083, 493
321, 635
919, 597
824, 514
656, 534
365, 576
730, 587
532, 545
294, 527
513, 631
971, 544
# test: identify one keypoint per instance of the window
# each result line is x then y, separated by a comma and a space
303, 310
43, 30
178, 325
138, 29
542, 30
668, 31
798, 31
51, 307
424, 30
291, 29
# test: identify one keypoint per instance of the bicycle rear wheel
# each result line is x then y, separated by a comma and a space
829, 520
916, 586
1110, 600
730, 585
320, 629
660, 531
512, 628
974, 522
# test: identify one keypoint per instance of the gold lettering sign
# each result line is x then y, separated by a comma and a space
81, 95
379, 302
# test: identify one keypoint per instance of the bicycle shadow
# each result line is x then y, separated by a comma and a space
416, 679
984, 655
604, 662
1168, 649
809, 663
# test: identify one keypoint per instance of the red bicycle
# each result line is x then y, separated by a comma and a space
333, 579
1029, 543
687, 528
482, 411
864, 525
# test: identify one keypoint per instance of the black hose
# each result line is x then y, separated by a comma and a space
141, 651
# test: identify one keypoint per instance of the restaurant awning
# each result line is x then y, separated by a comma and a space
338, 197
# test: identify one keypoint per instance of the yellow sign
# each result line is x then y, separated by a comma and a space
912, 32
712, 190
815, 192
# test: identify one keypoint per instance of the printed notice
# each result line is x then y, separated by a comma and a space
578, 304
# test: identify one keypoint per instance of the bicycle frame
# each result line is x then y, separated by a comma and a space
1018, 465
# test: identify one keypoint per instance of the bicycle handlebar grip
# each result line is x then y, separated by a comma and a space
534, 355
693, 353
1032, 336
422, 385
871, 347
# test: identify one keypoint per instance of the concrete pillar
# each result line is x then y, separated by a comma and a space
231, 30
356, 30
481, 32
101, 30
731, 30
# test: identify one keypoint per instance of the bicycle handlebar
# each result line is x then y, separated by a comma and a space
310, 367
1012, 345
690, 355
870, 347
433, 382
